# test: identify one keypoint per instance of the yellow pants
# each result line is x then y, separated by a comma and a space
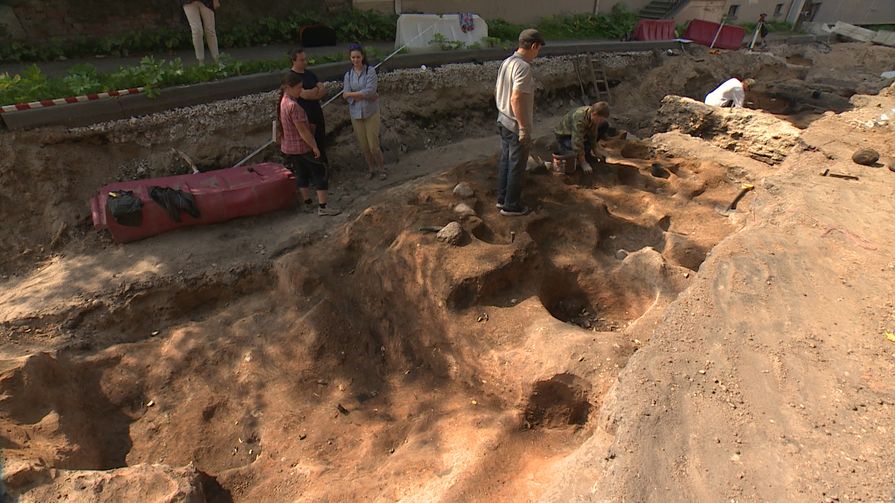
367, 133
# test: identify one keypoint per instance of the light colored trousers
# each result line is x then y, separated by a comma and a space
201, 20
367, 133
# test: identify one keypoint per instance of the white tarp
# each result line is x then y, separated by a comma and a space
418, 30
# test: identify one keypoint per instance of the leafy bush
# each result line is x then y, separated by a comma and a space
444, 44
615, 25
151, 73
500, 29
350, 25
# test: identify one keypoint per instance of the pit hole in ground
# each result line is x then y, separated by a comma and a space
799, 60
771, 103
566, 301
558, 402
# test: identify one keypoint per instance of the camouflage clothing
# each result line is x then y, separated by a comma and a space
578, 125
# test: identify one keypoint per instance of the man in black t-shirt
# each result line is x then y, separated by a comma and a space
313, 91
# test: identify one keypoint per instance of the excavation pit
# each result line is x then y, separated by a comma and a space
360, 349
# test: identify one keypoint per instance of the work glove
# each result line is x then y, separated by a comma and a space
524, 137
586, 167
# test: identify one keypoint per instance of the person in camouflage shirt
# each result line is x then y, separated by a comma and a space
580, 131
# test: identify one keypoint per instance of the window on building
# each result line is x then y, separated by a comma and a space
732, 11
778, 10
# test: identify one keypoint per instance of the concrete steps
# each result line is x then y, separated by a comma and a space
658, 9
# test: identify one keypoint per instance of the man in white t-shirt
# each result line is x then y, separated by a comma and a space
514, 94
731, 94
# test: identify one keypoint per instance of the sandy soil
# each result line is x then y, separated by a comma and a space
628, 341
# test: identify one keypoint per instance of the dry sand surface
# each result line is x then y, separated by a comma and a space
632, 339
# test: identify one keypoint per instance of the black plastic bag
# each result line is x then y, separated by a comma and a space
125, 207
174, 201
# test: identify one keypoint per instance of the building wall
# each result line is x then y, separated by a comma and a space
709, 10
514, 11
857, 11
529, 11
830, 11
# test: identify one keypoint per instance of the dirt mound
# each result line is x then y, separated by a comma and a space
629, 334
756, 134
363, 326
149, 483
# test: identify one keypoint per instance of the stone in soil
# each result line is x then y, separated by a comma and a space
464, 190
463, 210
452, 234
865, 156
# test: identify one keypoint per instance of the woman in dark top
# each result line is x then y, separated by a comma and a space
200, 14
311, 94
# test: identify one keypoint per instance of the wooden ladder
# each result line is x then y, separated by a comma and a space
592, 75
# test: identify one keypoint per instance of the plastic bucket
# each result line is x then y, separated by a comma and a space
564, 164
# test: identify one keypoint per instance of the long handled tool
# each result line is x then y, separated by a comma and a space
396, 51
718, 33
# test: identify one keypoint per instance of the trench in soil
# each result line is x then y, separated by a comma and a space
379, 359
367, 352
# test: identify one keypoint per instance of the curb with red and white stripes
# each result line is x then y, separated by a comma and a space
66, 101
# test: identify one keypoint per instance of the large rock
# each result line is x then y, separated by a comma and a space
451, 233
144, 483
756, 134
463, 190
464, 210
865, 156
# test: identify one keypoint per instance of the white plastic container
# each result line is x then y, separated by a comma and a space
418, 30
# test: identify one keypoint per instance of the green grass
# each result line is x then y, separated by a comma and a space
773, 26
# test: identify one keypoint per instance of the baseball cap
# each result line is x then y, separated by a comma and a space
532, 35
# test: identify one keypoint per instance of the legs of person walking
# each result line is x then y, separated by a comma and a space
194, 17
211, 37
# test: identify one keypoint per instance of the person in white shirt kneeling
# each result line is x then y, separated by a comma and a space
731, 94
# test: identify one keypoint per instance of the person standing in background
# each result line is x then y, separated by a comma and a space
297, 143
514, 94
360, 90
200, 14
312, 92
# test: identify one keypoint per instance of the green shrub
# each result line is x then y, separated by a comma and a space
350, 25
614, 25
500, 29
153, 74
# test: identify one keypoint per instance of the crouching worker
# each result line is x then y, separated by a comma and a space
580, 131
296, 138
731, 94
